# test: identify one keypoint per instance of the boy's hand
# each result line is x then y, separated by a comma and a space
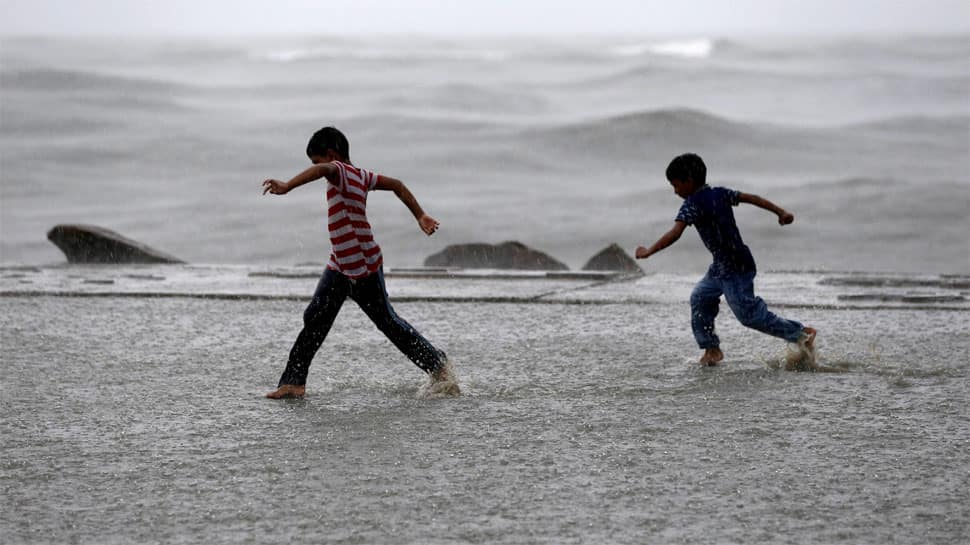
275, 187
785, 217
641, 253
428, 224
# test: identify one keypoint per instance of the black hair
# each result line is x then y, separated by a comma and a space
688, 167
328, 138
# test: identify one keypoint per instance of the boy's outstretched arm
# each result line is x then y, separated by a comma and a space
428, 224
784, 217
315, 172
665, 240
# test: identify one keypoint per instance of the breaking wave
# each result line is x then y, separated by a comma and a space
60, 80
380, 53
686, 126
700, 48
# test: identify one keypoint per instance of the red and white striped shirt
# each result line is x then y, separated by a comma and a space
354, 251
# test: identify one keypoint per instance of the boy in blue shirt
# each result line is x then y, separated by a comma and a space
733, 270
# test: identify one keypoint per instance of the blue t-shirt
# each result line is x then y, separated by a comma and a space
709, 211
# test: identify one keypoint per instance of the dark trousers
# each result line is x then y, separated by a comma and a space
751, 310
370, 294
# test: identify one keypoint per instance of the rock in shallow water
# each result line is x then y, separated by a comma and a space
507, 255
93, 244
612, 258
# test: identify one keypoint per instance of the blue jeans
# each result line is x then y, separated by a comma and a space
370, 294
750, 310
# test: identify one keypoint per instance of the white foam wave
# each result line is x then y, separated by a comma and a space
382, 53
700, 48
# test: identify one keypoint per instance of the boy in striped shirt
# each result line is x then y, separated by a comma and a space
355, 266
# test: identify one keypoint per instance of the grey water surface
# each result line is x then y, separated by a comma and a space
139, 418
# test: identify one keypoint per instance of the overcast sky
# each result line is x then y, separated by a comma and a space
491, 17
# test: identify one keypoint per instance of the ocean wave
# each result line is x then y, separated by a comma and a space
807, 75
955, 125
700, 48
689, 121
929, 48
772, 153
667, 123
429, 50
52, 79
373, 52
932, 49
40, 102
435, 127
466, 100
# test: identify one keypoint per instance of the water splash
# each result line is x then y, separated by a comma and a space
799, 357
442, 384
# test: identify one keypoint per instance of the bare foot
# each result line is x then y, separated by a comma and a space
711, 357
287, 391
809, 337
442, 383
803, 359
445, 373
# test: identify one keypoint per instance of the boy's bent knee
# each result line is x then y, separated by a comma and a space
748, 320
751, 315
698, 299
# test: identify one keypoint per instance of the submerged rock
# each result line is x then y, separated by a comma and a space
93, 244
507, 255
612, 258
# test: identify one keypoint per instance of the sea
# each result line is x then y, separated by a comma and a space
561, 144
132, 395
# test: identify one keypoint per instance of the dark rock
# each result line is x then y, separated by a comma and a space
612, 258
92, 244
507, 255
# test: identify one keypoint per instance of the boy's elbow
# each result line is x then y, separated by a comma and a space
399, 189
675, 233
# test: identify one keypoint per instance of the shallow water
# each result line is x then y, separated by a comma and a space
140, 419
